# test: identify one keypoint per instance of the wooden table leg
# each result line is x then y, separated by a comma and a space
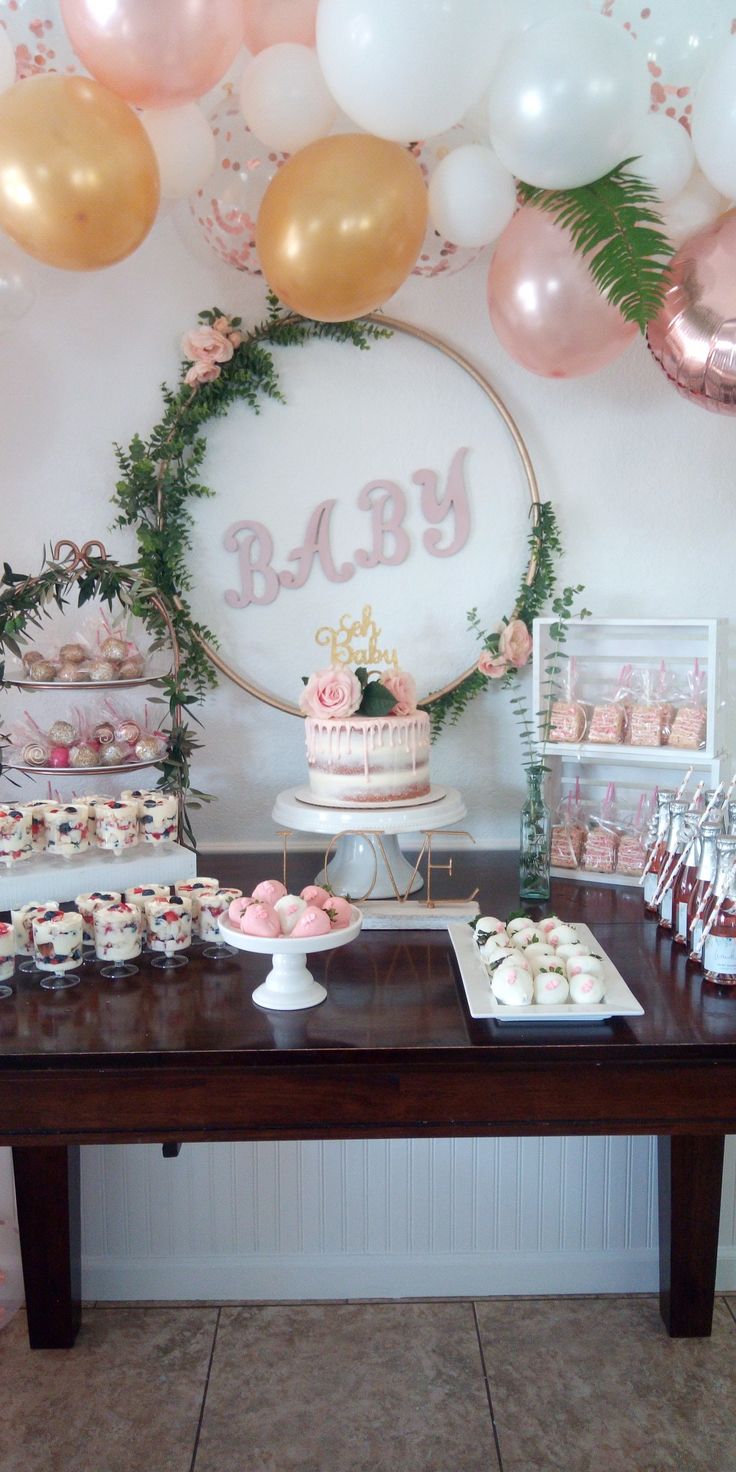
47, 1195
690, 1177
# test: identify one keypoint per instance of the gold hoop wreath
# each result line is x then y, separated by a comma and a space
393, 325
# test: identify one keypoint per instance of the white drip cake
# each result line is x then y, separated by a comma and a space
356, 758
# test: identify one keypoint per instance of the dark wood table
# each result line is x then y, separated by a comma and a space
392, 1052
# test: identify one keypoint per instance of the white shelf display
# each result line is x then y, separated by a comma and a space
65, 878
657, 659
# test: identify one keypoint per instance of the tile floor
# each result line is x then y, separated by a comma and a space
499, 1385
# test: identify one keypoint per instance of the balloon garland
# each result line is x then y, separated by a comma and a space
160, 476
337, 218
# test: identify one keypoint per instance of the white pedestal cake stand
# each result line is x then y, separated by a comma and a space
289, 985
357, 867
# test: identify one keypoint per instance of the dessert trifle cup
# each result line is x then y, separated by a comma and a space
67, 829
57, 944
169, 931
158, 816
117, 825
16, 833
7, 957
211, 905
118, 938
22, 921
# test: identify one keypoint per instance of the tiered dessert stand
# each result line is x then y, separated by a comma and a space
93, 868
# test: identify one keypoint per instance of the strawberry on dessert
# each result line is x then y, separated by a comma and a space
312, 922
269, 891
314, 894
339, 912
288, 909
238, 907
261, 919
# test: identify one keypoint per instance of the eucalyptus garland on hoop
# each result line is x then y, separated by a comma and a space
222, 364
160, 476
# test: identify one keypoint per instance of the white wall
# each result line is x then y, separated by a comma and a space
643, 484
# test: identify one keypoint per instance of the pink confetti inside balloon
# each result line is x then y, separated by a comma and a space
694, 336
226, 208
39, 38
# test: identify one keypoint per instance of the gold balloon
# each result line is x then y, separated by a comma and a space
79, 184
341, 225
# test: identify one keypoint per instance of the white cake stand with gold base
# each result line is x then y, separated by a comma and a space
357, 866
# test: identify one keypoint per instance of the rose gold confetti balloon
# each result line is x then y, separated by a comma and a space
226, 208
693, 337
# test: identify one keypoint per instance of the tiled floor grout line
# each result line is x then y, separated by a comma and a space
195, 1449
731, 1310
489, 1397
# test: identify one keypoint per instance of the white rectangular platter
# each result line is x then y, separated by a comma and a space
619, 1001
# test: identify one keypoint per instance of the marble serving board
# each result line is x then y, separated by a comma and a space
619, 999
42, 875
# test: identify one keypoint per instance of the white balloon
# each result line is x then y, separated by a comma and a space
698, 205
7, 61
285, 99
17, 292
406, 69
565, 100
471, 196
665, 156
184, 147
714, 121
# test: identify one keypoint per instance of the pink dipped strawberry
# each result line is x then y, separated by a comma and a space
339, 912
288, 909
238, 907
269, 891
312, 922
260, 919
314, 894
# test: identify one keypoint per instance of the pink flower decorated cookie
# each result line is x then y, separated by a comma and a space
237, 908
269, 891
261, 919
339, 912
314, 894
312, 922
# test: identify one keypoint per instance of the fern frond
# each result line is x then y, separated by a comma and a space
615, 224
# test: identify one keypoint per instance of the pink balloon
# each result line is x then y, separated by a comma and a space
544, 304
269, 21
156, 53
693, 337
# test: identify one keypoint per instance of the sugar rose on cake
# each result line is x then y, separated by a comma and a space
367, 742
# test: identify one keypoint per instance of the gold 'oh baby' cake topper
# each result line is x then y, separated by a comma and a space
356, 641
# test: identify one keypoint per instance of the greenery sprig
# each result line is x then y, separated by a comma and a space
531, 600
614, 222
161, 475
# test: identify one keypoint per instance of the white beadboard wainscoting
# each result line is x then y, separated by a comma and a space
378, 1218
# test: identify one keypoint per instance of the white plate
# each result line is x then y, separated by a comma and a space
305, 794
285, 945
619, 1000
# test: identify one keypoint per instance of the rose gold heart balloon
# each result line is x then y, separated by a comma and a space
693, 337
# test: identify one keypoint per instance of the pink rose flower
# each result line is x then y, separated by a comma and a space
221, 324
207, 345
201, 372
403, 687
516, 643
334, 692
236, 338
492, 665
